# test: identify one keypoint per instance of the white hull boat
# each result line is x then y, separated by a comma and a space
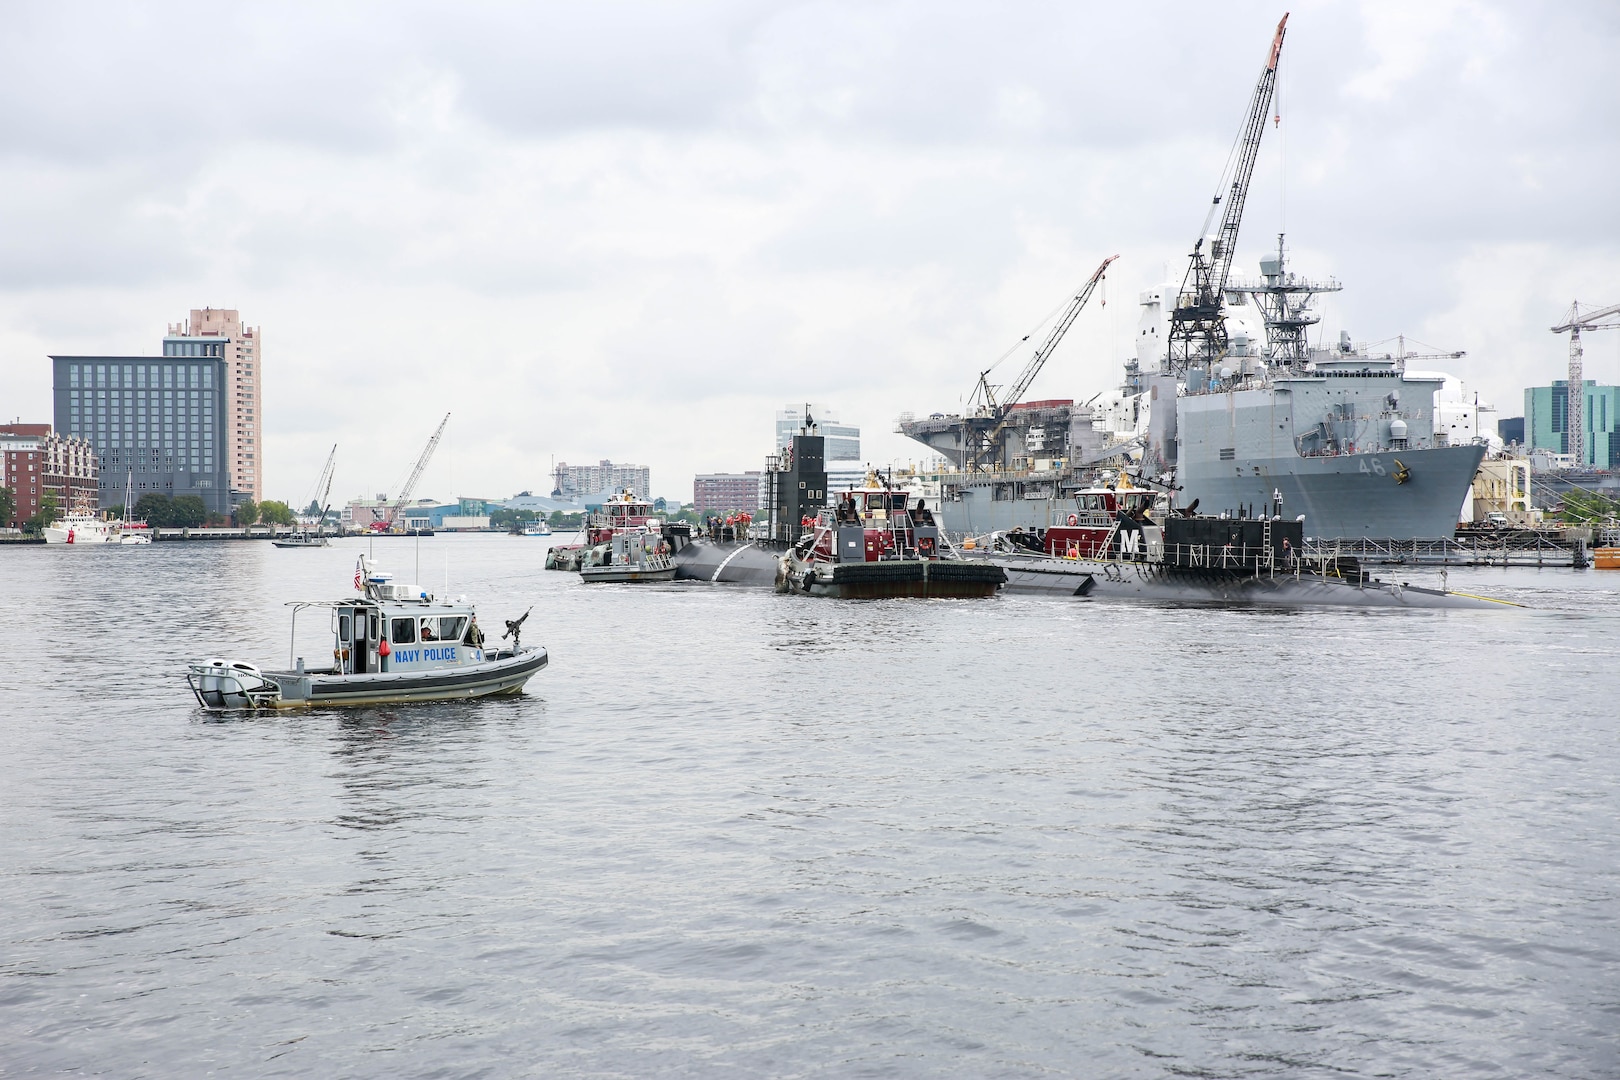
630, 556
391, 645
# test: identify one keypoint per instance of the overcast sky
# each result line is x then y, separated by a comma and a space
634, 231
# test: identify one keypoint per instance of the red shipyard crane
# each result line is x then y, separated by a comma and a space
1606, 318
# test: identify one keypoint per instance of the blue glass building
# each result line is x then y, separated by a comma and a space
160, 418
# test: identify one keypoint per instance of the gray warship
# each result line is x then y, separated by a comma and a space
1226, 405
1340, 435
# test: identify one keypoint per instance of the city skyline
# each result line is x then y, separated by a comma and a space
795, 202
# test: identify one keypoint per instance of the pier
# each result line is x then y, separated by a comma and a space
1510, 547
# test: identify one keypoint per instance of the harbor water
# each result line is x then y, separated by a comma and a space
734, 834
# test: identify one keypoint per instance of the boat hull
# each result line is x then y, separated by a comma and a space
918, 578
1348, 496
230, 687
79, 536
732, 563
600, 575
1101, 579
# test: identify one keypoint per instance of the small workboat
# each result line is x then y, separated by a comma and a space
392, 644
872, 544
301, 539
632, 555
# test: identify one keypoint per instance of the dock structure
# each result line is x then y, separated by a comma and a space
1507, 547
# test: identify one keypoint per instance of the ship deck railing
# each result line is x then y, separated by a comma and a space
1510, 548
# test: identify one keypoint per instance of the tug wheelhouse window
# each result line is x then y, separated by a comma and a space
404, 632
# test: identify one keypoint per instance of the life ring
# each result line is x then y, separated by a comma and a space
1074, 519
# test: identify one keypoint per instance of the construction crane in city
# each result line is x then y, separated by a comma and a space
993, 414
1575, 320
391, 522
1197, 324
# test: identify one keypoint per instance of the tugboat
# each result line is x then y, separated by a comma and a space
628, 556
871, 544
393, 644
622, 513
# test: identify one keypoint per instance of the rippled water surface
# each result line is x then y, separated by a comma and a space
731, 834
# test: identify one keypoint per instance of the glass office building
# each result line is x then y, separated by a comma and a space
155, 422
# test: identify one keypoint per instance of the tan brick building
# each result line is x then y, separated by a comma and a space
244, 403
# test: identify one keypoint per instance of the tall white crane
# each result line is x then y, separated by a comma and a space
1606, 318
409, 489
323, 487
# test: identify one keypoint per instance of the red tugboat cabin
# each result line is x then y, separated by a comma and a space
1088, 531
874, 525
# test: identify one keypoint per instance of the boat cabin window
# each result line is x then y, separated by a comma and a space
343, 627
1091, 502
450, 627
404, 631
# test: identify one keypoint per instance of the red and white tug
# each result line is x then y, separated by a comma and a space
872, 543
622, 514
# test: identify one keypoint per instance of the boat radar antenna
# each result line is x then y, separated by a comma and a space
514, 628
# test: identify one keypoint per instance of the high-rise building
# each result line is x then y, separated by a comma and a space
35, 462
1546, 420
718, 493
575, 481
243, 354
845, 468
157, 422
